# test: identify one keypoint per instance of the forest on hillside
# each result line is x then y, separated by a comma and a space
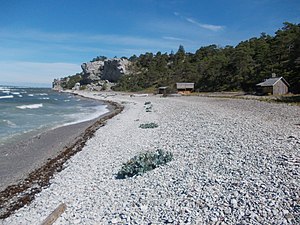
214, 68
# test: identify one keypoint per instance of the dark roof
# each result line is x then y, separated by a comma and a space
185, 85
272, 82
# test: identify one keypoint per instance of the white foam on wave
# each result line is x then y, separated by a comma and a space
6, 91
4, 88
31, 95
15, 93
83, 117
42, 94
45, 98
32, 106
20, 96
9, 123
7, 96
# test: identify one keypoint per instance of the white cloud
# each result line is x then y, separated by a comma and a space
205, 26
81, 38
35, 72
173, 38
202, 25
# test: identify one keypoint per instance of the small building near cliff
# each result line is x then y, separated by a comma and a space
163, 90
273, 86
185, 88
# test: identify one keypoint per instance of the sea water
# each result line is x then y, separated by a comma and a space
33, 110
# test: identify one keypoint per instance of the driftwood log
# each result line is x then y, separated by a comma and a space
54, 215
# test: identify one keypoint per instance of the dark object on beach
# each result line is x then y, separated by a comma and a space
144, 162
148, 106
148, 125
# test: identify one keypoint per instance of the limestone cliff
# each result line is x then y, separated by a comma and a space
108, 69
115, 68
92, 71
97, 73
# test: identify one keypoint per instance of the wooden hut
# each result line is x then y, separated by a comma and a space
163, 90
273, 86
185, 88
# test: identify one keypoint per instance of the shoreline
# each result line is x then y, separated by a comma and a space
231, 165
35, 167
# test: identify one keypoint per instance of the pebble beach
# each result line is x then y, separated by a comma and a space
234, 161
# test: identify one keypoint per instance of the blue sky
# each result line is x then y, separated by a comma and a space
44, 39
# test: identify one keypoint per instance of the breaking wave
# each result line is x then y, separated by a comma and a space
6, 96
32, 106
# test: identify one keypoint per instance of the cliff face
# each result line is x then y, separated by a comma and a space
109, 69
114, 69
92, 71
96, 72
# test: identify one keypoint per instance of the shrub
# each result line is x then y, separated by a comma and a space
148, 125
144, 162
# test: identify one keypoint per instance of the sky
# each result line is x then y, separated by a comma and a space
45, 39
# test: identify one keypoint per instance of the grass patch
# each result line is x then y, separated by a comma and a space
144, 162
148, 125
289, 99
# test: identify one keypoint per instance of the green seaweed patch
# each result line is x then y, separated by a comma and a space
144, 162
148, 125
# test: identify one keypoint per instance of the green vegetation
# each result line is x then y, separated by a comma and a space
99, 58
71, 81
214, 68
144, 162
289, 99
148, 125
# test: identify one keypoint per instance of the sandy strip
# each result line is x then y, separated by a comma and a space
235, 162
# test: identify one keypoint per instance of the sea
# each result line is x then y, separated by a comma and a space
25, 111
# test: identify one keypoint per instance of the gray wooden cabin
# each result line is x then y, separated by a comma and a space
163, 90
185, 88
274, 86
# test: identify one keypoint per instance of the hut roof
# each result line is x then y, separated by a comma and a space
272, 81
185, 85
163, 88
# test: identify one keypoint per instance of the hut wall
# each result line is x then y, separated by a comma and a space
267, 90
280, 88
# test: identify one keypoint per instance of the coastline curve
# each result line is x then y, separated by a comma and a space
22, 192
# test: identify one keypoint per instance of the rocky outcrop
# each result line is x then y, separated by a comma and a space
114, 69
108, 69
96, 75
91, 71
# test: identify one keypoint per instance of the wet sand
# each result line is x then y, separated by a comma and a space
17, 160
26, 166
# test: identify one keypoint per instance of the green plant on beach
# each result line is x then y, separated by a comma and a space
148, 125
144, 162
